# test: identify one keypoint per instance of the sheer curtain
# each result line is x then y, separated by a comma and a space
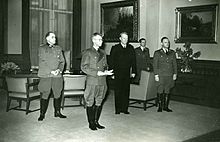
50, 15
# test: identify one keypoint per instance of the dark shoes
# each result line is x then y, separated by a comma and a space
58, 114
41, 118
99, 126
117, 112
159, 109
163, 101
167, 109
57, 107
93, 115
125, 112
92, 126
43, 109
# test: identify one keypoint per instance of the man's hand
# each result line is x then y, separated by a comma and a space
106, 72
110, 72
156, 78
133, 75
100, 73
174, 76
56, 72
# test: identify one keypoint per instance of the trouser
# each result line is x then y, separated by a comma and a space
164, 84
122, 91
45, 86
94, 94
54, 83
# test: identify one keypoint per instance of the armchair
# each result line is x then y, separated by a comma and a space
145, 92
74, 87
20, 89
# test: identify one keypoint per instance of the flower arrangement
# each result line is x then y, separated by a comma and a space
186, 57
9, 67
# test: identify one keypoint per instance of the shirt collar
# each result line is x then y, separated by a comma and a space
123, 45
96, 48
165, 50
142, 48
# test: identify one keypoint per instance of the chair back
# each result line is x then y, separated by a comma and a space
67, 59
73, 82
16, 84
144, 80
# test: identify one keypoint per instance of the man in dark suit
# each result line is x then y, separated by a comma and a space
94, 65
165, 70
142, 60
122, 60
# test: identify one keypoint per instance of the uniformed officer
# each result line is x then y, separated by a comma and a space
142, 59
94, 64
51, 65
165, 70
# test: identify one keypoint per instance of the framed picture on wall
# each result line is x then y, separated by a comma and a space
117, 17
196, 24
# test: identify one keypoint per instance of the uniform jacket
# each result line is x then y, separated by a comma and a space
142, 58
50, 59
142, 62
92, 62
164, 63
122, 59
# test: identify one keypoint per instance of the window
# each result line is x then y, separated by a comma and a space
50, 15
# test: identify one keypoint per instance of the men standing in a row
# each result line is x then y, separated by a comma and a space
94, 64
142, 60
165, 70
51, 65
122, 60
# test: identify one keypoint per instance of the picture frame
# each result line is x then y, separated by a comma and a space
196, 24
117, 17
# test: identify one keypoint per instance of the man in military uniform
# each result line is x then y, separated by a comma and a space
94, 65
51, 64
165, 70
142, 60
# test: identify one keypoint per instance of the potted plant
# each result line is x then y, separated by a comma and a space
186, 57
9, 68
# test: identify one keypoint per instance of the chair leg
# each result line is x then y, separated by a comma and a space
84, 102
20, 102
145, 106
8, 104
80, 100
27, 106
156, 102
62, 103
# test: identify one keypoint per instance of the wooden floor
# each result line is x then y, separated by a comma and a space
188, 123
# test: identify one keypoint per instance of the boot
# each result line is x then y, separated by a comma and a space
98, 110
43, 109
91, 117
159, 99
57, 112
166, 98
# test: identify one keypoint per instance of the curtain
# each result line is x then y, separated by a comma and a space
50, 15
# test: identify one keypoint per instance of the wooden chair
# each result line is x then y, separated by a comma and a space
144, 93
20, 89
74, 87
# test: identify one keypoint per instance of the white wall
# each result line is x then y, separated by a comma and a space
167, 26
156, 19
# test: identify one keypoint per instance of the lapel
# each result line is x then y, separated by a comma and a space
98, 53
